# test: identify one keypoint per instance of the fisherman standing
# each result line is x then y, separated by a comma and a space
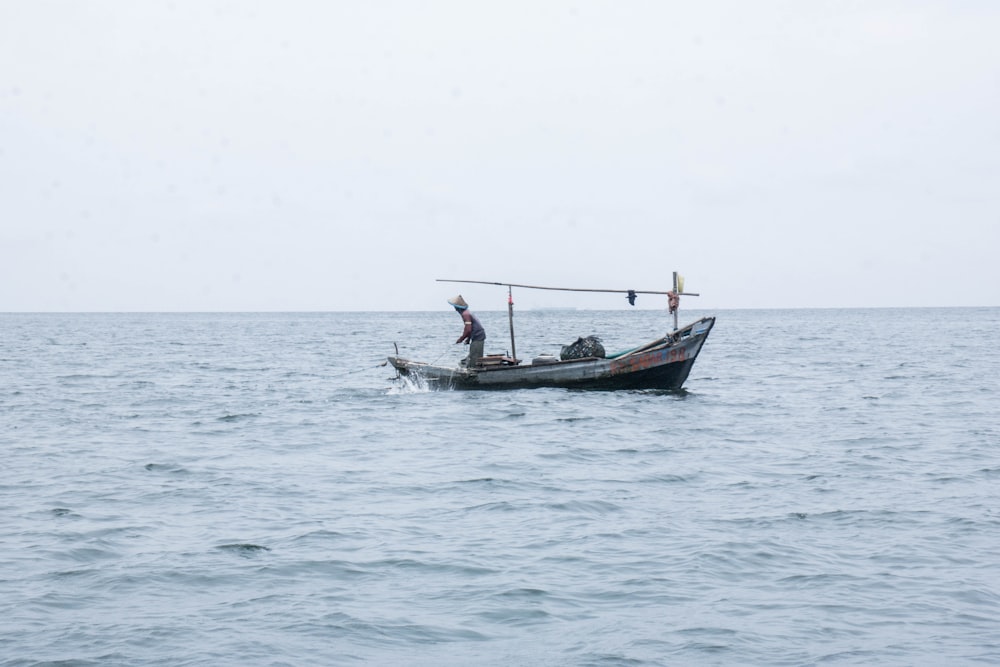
473, 333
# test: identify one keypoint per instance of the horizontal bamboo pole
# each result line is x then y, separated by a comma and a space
562, 289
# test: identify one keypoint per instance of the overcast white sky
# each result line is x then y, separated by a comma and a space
300, 155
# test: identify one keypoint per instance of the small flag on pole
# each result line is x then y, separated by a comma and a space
680, 283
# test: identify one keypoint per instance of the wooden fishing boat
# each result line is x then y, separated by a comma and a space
660, 364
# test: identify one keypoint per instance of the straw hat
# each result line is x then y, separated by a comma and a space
458, 302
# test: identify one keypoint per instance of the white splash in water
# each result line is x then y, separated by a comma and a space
409, 384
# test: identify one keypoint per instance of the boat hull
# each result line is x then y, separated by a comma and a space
663, 364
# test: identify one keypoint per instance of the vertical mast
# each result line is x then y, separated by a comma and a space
510, 318
676, 291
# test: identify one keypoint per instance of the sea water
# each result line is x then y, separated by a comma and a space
257, 489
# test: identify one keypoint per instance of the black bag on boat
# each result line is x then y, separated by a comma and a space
583, 347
